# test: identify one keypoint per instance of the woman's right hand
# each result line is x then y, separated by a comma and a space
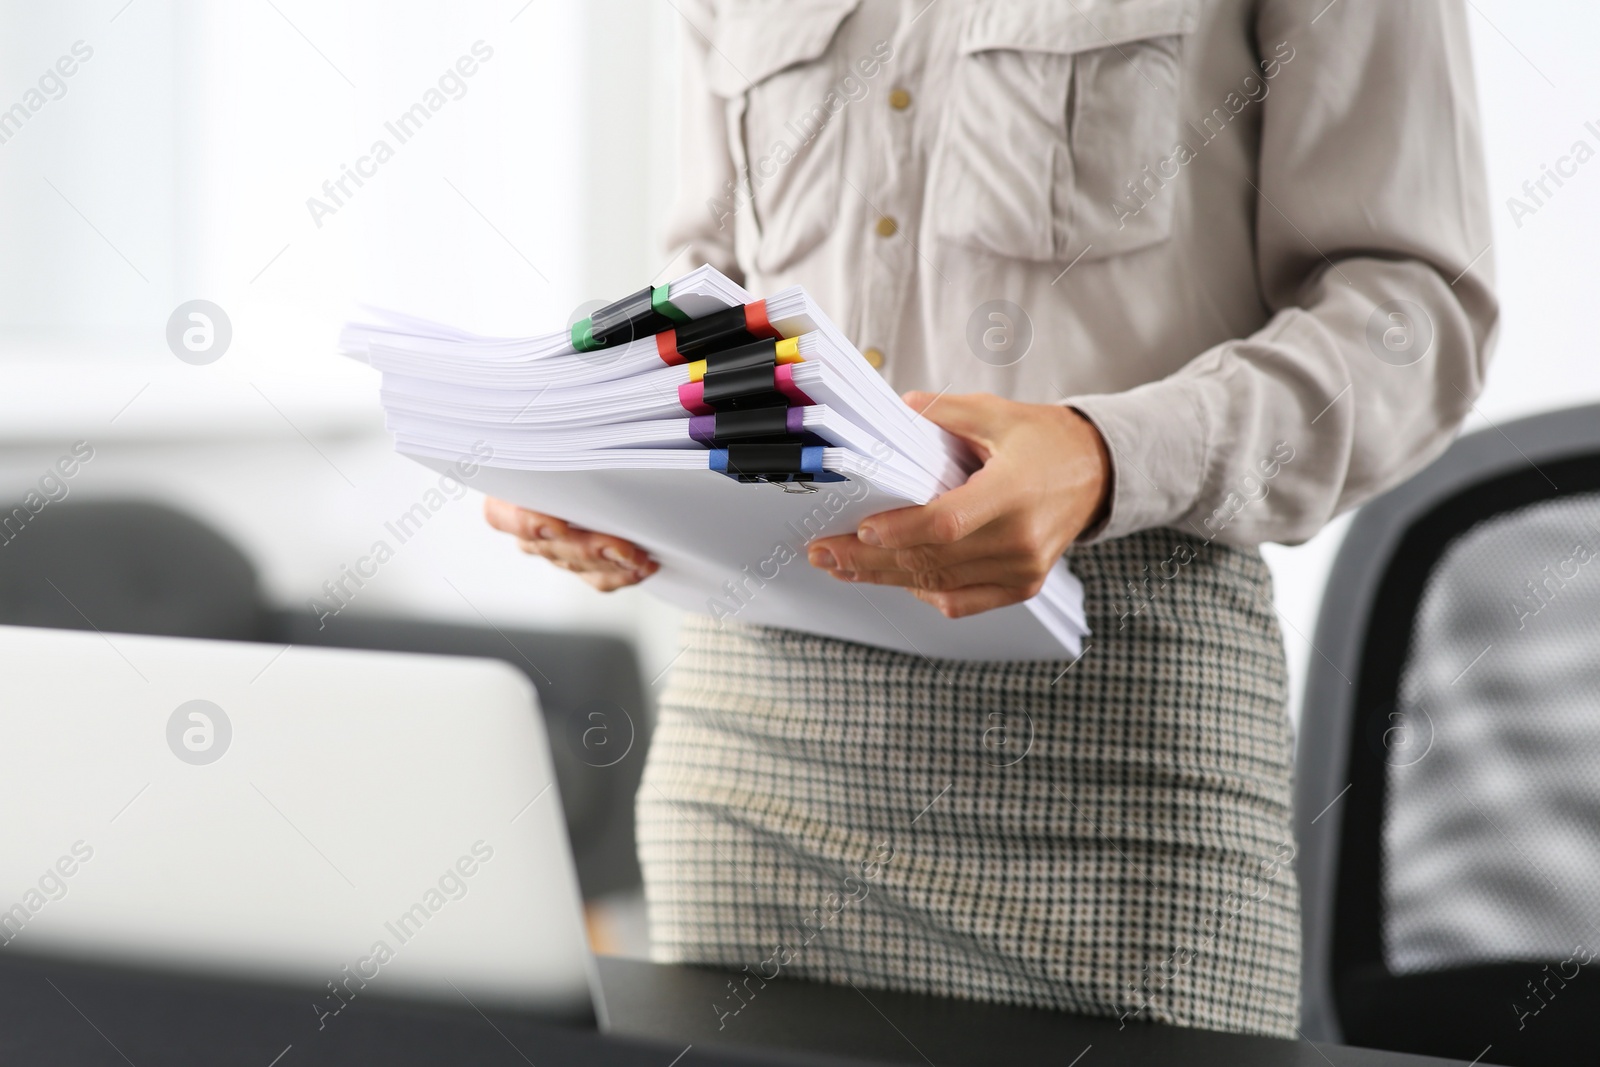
605, 562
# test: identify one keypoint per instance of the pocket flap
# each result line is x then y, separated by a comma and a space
754, 40
1048, 26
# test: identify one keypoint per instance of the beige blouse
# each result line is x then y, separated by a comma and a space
1249, 239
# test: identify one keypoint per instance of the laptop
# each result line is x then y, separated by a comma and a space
357, 824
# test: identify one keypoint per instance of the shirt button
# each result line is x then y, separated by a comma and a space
874, 356
899, 99
887, 227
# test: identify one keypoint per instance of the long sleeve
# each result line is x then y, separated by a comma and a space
1372, 244
707, 197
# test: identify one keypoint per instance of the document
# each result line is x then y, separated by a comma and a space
720, 433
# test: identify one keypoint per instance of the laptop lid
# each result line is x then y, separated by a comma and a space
356, 823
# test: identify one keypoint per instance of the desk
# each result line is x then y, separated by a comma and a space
73, 1015
76, 1015
680, 1005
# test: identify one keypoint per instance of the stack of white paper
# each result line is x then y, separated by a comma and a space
719, 433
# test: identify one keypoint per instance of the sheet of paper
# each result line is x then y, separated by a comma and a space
737, 551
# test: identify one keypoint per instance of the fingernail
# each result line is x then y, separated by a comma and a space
546, 533
821, 557
869, 536
615, 556
848, 576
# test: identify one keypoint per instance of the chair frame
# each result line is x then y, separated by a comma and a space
1362, 638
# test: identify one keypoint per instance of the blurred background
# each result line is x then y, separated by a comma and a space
177, 164
177, 160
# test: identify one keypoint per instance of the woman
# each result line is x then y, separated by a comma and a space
1191, 276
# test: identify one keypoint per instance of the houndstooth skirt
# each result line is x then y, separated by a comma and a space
1108, 836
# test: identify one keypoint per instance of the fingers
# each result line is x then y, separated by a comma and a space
957, 514
522, 523
581, 550
979, 417
603, 561
972, 600
997, 543
1008, 573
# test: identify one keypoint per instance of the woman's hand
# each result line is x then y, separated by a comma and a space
607, 563
1046, 477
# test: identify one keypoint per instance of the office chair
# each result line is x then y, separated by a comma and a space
139, 567
1448, 769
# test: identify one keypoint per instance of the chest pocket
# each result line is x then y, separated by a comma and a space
1055, 112
786, 94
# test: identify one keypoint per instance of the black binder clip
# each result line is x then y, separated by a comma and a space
792, 467
649, 311
766, 425
700, 337
728, 328
742, 387
751, 354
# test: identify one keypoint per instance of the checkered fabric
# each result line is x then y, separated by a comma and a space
1109, 836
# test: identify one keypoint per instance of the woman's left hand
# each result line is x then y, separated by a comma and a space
1046, 477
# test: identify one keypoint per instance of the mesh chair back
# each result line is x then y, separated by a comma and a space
1491, 836
1448, 793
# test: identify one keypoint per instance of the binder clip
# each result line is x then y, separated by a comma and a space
744, 377
700, 338
776, 423
649, 311
792, 467
753, 354
751, 387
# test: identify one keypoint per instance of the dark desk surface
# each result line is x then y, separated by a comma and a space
683, 1005
72, 1015
83, 1016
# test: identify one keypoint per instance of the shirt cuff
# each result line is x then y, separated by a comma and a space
1159, 444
